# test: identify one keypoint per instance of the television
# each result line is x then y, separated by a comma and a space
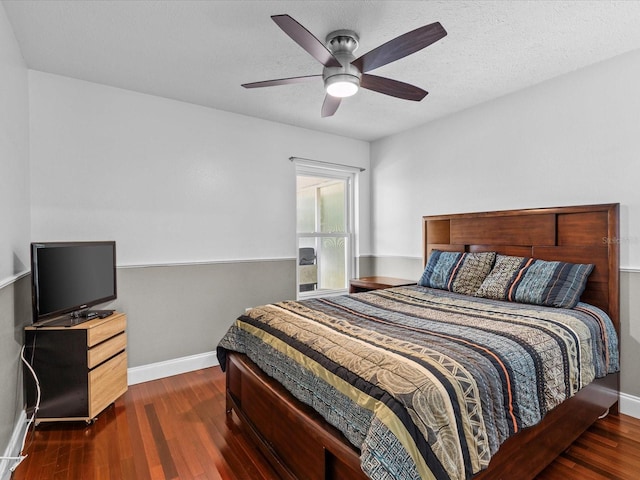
69, 277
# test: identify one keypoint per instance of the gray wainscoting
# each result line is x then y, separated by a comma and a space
15, 314
630, 332
174, 311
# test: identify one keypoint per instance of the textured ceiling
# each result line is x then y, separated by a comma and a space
201, 51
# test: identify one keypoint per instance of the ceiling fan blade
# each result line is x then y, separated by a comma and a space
280, 81
400, 47
392, 87
306, 40
330, 105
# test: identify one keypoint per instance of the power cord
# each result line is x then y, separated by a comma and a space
20, 458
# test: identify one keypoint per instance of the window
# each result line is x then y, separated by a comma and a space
325, 229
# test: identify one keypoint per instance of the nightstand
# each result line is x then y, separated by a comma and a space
365, 284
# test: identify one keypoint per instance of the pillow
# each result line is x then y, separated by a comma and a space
500, 279
439, 269
554, 284
456, 271
473, 269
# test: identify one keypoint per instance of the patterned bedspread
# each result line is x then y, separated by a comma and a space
426, 383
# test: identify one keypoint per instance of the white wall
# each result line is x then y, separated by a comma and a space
171, 182
569, 141
14, 161
175, 183
14, 232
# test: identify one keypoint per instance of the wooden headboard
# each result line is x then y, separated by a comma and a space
581, 234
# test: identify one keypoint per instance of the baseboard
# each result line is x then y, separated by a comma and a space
630, 405
13, 449
167, 368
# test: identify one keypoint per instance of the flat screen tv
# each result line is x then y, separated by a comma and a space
69, 277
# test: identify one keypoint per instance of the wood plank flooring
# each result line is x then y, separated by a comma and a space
176, 428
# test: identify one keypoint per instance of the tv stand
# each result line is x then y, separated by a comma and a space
82, 368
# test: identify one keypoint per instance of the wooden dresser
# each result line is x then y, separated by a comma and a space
82, 369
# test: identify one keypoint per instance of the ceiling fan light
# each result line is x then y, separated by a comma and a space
342, 85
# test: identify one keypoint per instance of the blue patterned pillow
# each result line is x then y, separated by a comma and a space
439, 269
505, 271
456, 271
470, 272
554, 284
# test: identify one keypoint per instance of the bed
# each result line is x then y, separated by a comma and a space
306, 415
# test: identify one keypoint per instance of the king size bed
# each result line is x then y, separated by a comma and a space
500, 357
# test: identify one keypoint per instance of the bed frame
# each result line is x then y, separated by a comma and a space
300, 444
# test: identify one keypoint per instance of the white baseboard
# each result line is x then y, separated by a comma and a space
630, 405
167, 368
13, 449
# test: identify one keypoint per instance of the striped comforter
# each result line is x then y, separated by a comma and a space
426, 383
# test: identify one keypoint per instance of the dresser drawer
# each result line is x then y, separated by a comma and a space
107, 328
106, 383
106, 350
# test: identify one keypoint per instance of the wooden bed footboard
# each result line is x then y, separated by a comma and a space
301, 445
528, 452
295, 439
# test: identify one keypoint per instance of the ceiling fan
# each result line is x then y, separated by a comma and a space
343, 74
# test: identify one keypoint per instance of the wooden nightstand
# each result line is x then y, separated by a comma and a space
365, 284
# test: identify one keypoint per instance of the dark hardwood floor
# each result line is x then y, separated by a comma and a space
176, 428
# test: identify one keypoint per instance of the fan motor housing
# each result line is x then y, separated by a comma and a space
342, 44
342, 41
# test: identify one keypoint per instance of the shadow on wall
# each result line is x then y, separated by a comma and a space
21, 299
21, 307
18, 266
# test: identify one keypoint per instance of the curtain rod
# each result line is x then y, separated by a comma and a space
319, 162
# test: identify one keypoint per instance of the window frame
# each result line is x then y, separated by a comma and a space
349, 175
